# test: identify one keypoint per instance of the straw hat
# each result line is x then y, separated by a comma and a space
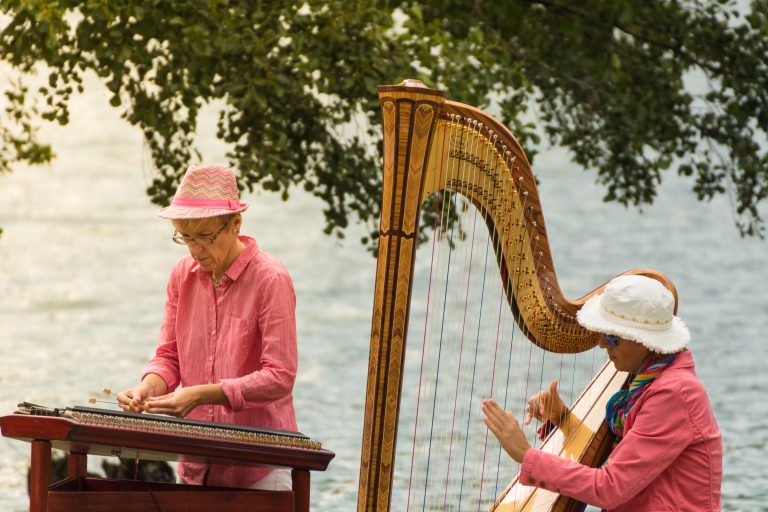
637, 308
205, 191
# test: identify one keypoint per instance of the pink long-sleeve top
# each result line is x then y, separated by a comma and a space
242, 334
670, 457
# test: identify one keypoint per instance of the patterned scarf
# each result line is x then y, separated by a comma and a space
623, 400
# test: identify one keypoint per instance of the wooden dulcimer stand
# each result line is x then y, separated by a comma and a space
84, 431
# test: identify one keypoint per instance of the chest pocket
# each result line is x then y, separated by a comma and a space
240, 341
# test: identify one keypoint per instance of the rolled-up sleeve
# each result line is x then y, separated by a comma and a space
661, 431
278, 360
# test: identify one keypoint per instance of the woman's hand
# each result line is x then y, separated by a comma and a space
546, 405
179, 403
506, 429
134, 399
183, 400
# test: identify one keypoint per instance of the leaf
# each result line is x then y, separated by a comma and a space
606, 80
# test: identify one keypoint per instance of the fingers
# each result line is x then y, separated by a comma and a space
172, 404
128, 401
537, 407
495, 430
161, 397
532, 409
123, 397
159, 404
553, 389
506, 429
492, 409
493, 412
495, 417
543, 405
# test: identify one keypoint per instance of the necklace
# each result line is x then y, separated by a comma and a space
215, 281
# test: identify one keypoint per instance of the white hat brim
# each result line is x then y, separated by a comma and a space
671, 338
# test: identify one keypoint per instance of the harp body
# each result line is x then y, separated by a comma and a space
433, 146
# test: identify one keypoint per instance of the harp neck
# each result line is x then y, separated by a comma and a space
424, 137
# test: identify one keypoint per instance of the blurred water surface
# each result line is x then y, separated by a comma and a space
84, 261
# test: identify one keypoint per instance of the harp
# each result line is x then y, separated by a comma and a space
454, 158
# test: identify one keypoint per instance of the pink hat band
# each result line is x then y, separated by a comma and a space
189, 202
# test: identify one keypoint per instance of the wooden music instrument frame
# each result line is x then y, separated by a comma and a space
498, 180
79, 493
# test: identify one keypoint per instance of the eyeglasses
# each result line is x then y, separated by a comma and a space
612, 340
197, 240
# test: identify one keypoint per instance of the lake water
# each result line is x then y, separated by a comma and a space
84, 261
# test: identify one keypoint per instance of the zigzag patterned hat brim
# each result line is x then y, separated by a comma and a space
181, 213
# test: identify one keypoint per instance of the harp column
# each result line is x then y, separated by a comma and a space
408, 125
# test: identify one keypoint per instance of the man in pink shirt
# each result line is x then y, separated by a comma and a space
669, 451
228, 337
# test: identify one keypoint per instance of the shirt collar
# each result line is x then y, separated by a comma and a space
683, 360
244, 258
241, 261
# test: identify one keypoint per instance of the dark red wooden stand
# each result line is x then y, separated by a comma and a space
78, 493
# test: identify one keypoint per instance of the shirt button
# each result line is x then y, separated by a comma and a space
210, 358
531, 480
210, 411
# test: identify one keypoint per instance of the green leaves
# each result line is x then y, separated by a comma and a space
18, 133
632, 88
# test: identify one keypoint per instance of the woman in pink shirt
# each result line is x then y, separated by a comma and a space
227, 350
669, 451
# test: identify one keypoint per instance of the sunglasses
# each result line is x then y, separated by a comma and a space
612, 340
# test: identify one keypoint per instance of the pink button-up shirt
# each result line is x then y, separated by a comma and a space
242, 334
669, 459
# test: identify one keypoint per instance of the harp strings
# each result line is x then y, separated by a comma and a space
484, 249
459, 286
435, 310
512, 282
461, 332
427, 317
447, 298
470, 345
444, 336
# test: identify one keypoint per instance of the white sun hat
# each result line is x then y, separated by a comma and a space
636, 308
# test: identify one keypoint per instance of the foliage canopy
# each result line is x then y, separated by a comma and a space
607, 79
